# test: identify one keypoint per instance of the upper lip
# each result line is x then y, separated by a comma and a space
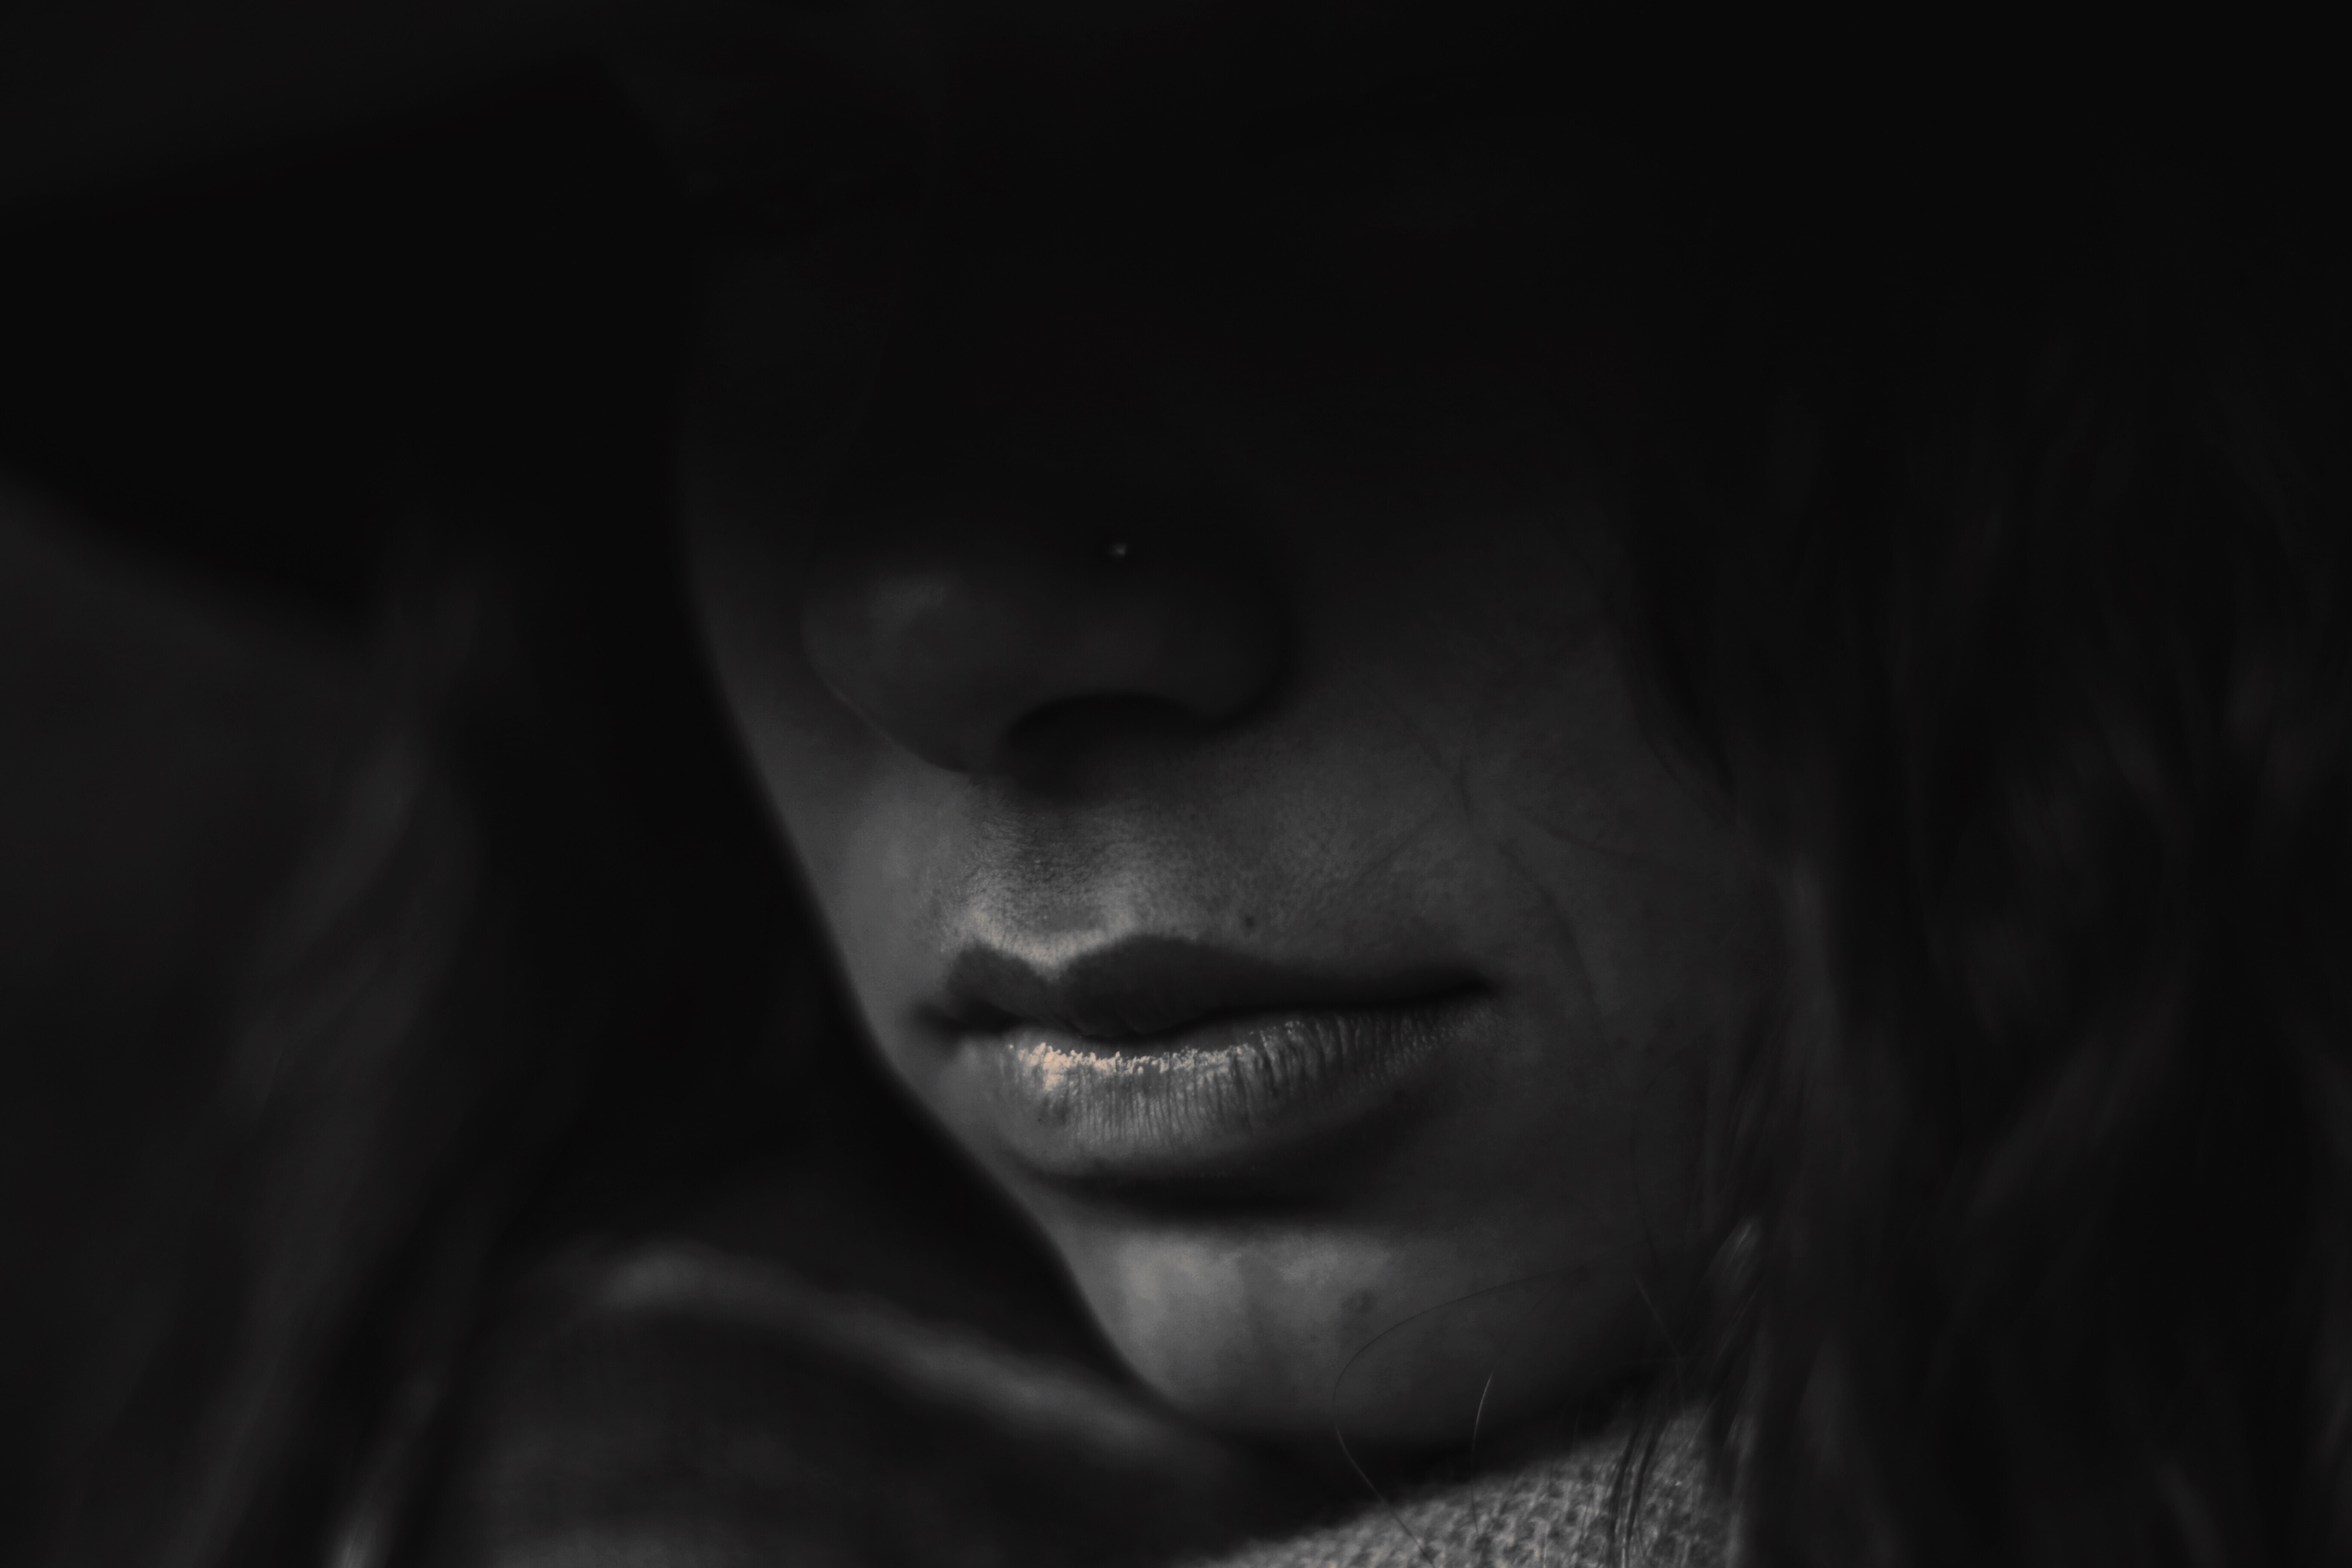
1144, 987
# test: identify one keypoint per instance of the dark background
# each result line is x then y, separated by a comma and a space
219, 389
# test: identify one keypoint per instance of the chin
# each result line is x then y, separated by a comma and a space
1396, 1341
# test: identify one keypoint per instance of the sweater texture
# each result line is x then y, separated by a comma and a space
1579, 1508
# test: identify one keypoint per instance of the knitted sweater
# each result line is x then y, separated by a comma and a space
1557, 1513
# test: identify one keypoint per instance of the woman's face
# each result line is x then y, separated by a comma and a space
1137, 513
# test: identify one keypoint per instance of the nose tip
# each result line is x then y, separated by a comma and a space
949, 647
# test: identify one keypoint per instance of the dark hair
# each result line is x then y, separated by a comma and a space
1997, 549
535, 956
1987, 544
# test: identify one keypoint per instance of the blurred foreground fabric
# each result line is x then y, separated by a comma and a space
693, 1409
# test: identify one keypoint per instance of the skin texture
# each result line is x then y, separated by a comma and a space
1137, 505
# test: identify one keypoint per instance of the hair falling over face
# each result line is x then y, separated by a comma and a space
2027, 652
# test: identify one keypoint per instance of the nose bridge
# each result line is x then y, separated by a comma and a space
1013, 406
1016, 530
1016, 353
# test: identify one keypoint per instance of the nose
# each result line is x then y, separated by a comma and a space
958, 646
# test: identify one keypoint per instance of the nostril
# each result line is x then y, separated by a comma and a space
947, 654
1075, 725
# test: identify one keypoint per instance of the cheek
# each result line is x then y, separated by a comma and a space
864, 828
1660, 906
815, 759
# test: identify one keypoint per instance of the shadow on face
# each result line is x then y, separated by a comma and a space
1138, 482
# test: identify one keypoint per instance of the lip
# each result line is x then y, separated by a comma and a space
1159, 1058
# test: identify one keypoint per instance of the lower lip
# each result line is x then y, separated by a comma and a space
1223, 1092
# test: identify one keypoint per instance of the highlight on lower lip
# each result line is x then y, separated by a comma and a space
1064, 1105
